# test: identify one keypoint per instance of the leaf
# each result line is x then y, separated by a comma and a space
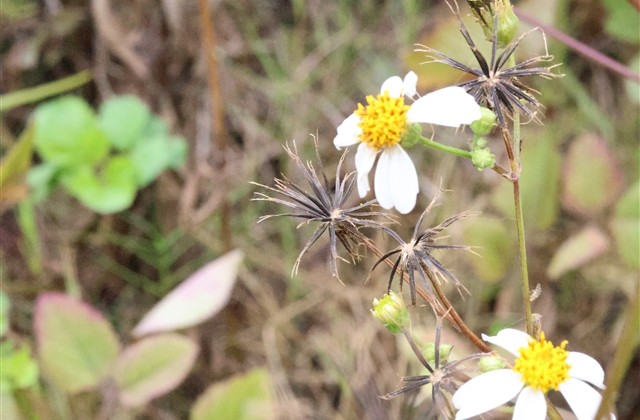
67, 133
199, 297
123, 119
623, 20
14, 167
624, 226
539, 184
5, 304
591, 176
19, 370
577, 251
153, 155
76, 344
495, 246
153, 367
245, 397
113, 191
42, 180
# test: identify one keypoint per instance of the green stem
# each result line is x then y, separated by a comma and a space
38, 93
514, 159
444, 148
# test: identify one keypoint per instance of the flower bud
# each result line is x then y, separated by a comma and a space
411, 136
483, 158
392, 312
483, 125
507, 23
430, 353
489, 363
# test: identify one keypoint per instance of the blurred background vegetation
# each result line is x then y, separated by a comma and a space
282, 71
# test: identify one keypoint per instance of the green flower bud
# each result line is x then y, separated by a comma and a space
507, 23
411, 136
483, 158
489, 363
483, 125
430, 353
392, 312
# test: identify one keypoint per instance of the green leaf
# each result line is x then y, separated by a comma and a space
109, 192
624, 226
42, 180
76, 344
245, 397
623, 20
591, 176
5, 304
577, 251
14, 167
124, 119
19, 370
67, 133
155, 154
153, 367
495, 246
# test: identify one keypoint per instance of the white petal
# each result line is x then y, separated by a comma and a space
530, 405
582, 398
486, 392
403, 179
365, 157
451, 107
394, 86
382, 183
586, 368
409, 84
509, 339
348, 132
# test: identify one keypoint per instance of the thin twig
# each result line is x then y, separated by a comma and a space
581, 48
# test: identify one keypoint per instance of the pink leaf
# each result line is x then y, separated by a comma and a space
577, 251
199, 297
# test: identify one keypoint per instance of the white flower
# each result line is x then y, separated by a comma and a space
380, 125
539, 367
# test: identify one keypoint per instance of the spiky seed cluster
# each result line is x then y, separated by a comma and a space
493, 85
322, 205
414, 257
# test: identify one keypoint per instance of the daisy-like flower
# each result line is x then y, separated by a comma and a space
539, 367
380, 126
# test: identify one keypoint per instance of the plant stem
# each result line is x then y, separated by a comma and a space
513, 152
43, 91
444, 148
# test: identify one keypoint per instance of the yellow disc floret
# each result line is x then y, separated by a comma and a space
542, 365
383, 121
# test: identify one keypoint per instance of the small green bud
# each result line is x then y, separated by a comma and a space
430, 353
507, 23
482, 158
411, 136
489, 363
483, 125
392, 312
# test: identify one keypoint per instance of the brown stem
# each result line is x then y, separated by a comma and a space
210, 44
464, 329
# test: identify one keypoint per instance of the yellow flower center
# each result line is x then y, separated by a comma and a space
383, 121
542, 365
